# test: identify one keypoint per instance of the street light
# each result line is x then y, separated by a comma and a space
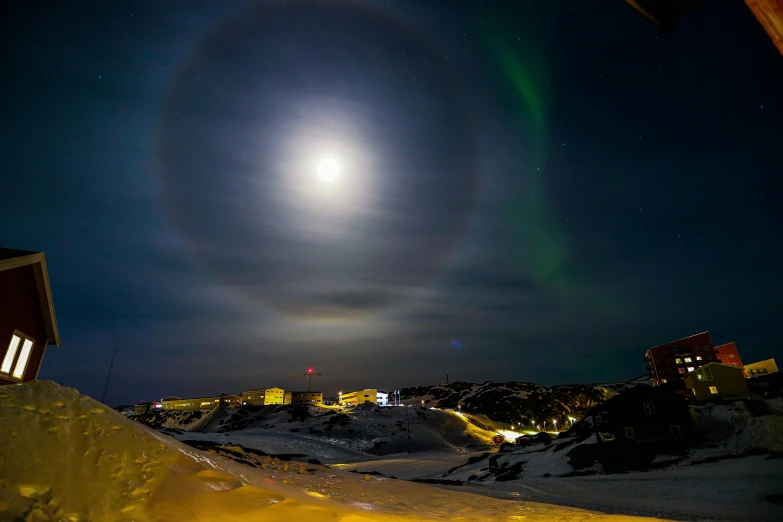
555, 421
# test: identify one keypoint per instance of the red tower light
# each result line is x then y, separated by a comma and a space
309, 370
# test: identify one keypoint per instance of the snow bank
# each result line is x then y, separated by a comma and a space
735, 429
67, 458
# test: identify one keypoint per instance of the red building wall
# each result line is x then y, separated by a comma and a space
728, 354
20, 309
691, 352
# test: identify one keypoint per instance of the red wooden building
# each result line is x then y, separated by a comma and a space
27, 321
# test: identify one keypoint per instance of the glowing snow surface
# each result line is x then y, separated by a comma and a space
65, 457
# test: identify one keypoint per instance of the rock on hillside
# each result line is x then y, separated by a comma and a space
515, 401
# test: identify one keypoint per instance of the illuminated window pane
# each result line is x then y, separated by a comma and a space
690, 369
688, 359
10, 354
21, 364
713, 390
698, 357
678, 360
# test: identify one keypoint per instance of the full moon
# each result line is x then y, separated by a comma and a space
328, 169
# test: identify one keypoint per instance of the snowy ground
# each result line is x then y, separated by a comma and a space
66, 458
688, 489
726, 490
275, 443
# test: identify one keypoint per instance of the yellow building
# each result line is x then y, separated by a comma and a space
359, 397
263, 397
311, 397
201, 403
717, 381
757, 369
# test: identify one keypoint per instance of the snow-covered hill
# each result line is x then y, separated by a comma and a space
515, 402
67, 458
364, 430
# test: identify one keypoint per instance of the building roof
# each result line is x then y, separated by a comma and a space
222, 396
765, 361
707, 333
714, 363
644, 392
12, 258
725, 345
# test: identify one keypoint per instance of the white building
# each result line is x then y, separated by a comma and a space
382, 398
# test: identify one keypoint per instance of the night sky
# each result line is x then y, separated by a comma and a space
525, 190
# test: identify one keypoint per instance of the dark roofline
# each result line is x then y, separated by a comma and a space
169, 399
12, 253
11, 258
684, 338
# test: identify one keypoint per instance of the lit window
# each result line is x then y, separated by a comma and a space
690, 369
629, 434
16, 358
731, 356
10, 354
714, 390
699, 376
698, 357
649, 408
681, 370
663, 381
688, 359
677, 361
